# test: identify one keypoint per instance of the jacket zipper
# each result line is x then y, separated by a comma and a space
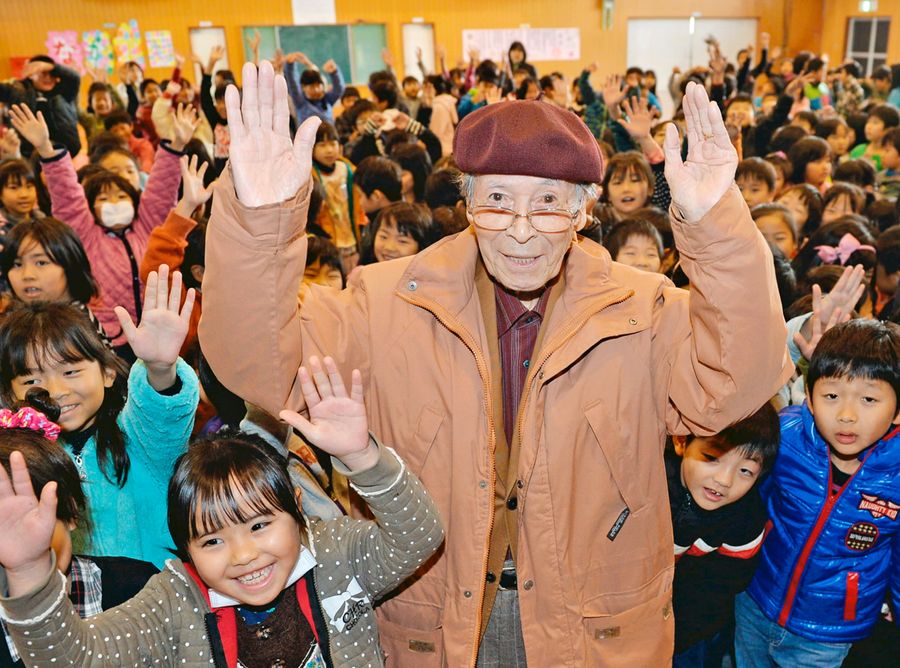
456, 327
800, 567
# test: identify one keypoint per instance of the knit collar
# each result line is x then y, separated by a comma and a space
305, 562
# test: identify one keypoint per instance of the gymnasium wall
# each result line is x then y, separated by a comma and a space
818, 25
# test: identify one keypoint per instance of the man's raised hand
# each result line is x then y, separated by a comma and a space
267, 167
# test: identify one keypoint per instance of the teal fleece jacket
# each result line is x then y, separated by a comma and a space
131, 521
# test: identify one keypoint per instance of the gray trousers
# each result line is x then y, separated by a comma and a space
503, 645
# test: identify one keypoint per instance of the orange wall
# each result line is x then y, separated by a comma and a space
25, 22
818, 25
608, 48
834, 30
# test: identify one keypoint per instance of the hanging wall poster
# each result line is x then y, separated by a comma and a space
65, 49
98, 53
127, 43
160, 52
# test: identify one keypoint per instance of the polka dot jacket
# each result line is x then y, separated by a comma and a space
166, 625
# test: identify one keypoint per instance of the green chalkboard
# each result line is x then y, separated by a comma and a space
319, 43
367, 41
268, 42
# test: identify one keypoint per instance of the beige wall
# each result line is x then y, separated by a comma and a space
811, 24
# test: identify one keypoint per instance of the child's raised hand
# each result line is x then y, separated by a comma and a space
10, 145
158, 339
26, 526
832, 309
337, 421
193, 191
33, 128
186, 121
638, 120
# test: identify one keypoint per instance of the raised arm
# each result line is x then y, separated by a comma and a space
66, 194
256, 254
716, 377
69, 83
337, 81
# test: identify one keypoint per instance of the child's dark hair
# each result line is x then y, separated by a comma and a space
887, 249
109, 144
805, 151
99, 87
15, 172
385, 90
442, 188
46, 460
892, 136
327, 254
757, 169
227, 479
659, 219
785, 278
377, 173
327, 132
780, 210
620, 233
52, 332
414, 159
888, 114
623, 164
858, 348
117, 117
811, 119
95, 184
145, 83
348, 92
859, 172
883, 214
61, 245
413, 220
830, 234
781, 164
828, 126
854, 194
757, 437
785, 137
359, 107
194, 255
812, 198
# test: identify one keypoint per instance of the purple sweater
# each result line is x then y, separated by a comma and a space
116, 272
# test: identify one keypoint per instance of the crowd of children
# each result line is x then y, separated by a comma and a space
787, 535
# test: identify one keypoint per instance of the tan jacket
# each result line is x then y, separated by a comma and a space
626, 358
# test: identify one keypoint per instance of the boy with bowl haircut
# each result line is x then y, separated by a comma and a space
833, 548
718, 520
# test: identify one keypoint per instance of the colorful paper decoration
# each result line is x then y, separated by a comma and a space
98, 53
65, 49
127, 43
159, 48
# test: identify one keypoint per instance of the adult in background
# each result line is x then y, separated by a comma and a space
52, 89
528, 379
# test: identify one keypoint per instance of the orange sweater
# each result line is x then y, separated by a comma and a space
166, 246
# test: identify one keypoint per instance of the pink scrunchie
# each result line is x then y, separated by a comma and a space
29, 418
845, 248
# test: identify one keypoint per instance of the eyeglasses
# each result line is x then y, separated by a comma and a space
543, 220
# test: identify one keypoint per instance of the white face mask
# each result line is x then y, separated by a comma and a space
118, 214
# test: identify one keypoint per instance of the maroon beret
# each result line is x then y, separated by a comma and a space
530, 138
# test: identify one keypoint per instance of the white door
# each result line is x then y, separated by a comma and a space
661, 44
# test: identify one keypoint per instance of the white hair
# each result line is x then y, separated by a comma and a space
584, 192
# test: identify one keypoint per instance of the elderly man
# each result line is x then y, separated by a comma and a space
527, 379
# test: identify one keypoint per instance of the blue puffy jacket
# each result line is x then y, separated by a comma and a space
828, 559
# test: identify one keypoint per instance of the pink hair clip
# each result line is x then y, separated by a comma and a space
29, 418
842, 252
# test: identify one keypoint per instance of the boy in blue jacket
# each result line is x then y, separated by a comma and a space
833, 549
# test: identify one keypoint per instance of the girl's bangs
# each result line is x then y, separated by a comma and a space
228, 497
50, 346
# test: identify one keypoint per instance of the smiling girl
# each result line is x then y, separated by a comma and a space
257, 583
123, 432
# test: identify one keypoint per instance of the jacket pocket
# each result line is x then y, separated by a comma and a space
404, 646
642, 635
851, 596
423, 439
617, 458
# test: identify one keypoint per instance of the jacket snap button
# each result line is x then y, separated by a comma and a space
528, 584
467, 594
490, 577
541, 375
512, 503
632, 321
520, 484
412, 285
482, 484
